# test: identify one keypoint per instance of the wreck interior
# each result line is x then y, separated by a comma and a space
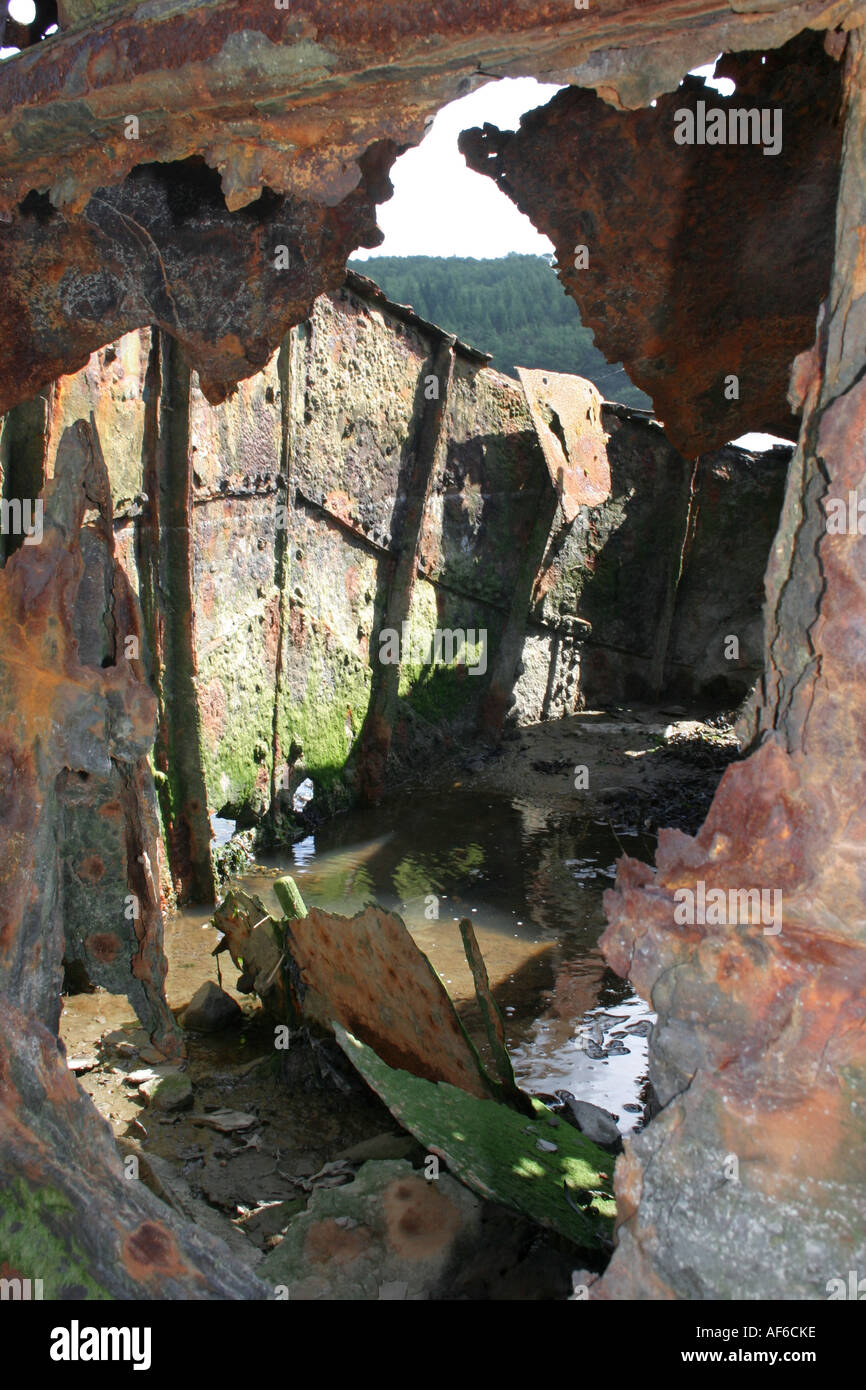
327, 945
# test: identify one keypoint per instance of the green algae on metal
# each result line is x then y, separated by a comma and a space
495, 1151
36, 1242
289, 897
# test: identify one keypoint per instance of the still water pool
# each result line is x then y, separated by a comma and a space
531, 880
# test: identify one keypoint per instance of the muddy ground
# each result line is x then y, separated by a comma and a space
307, 1120
645, 766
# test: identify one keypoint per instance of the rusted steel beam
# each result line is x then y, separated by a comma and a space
289, 98
299, 114
78, 721
375, 740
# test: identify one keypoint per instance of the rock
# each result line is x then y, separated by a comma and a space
211, 1009
642, 1029
227, 1121
402, 1236
168, 1093
126, 1049
140, 1077
270, 1219
598, 1125
79, 1065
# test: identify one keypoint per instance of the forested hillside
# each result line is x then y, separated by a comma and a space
513, 307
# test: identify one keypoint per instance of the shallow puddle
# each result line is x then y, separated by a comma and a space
532, 883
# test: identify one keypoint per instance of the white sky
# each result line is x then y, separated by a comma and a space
441, 208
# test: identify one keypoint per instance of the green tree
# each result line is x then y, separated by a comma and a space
513, 307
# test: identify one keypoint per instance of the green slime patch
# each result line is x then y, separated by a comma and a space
492, 1149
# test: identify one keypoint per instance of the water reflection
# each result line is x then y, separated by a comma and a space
532, 883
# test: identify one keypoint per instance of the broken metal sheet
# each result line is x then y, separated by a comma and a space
689, 303
295, 97
493, 1021
566, 412
257, 948
486, 1146
367, 972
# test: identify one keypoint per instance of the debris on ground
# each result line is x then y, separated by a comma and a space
79, 1065
366, 979
168, 1093
226, 1121
256, 942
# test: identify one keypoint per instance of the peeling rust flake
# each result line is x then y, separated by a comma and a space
566, 412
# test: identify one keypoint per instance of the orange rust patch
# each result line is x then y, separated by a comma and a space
420, 1220
297, 625
214, 710
103, 946
151, 1252
272, 629
8, 936
327, 1242
339, 504
347, 962
91, 869
353, 584
207, 597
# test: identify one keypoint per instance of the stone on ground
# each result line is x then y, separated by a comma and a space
211, 1009
169, 1093
389, 1230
